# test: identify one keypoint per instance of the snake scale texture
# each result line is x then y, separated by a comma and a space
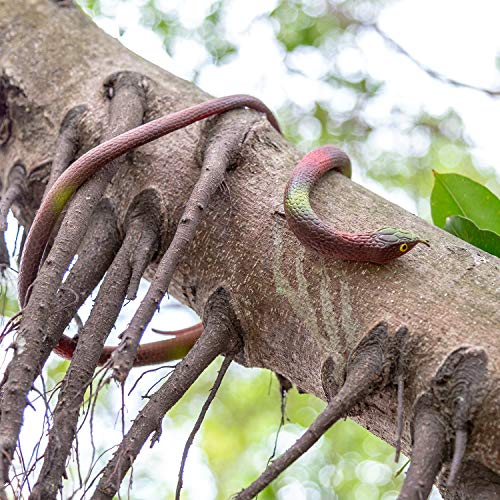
379, 246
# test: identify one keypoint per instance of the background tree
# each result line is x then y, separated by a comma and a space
353, 131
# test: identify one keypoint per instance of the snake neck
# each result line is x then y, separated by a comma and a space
326, 240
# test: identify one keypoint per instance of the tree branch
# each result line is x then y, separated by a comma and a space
427, 457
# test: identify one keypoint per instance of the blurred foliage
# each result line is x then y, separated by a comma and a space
468, 210
8, 301
209, 33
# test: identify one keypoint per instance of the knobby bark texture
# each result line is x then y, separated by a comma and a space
296, 310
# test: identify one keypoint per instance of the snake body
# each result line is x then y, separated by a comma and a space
379, 246
151, 353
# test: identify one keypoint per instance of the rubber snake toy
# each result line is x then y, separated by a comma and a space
379, 246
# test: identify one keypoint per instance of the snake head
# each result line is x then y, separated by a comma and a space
396, 242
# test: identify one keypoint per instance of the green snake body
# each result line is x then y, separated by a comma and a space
379, 246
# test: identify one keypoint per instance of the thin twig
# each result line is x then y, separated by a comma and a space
147, 395
431, 72
95, 461
103, 380
146, 372
218, 381
284, 385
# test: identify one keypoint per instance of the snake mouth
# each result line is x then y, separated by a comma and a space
427, 243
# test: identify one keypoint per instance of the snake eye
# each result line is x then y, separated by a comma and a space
403, 247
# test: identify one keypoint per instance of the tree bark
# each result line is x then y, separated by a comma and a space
296, 309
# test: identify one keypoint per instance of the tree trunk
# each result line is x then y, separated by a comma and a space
295, 309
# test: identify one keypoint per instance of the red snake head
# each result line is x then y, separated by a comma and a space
394, 243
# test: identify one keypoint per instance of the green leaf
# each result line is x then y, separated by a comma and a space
455, 194
468, 231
